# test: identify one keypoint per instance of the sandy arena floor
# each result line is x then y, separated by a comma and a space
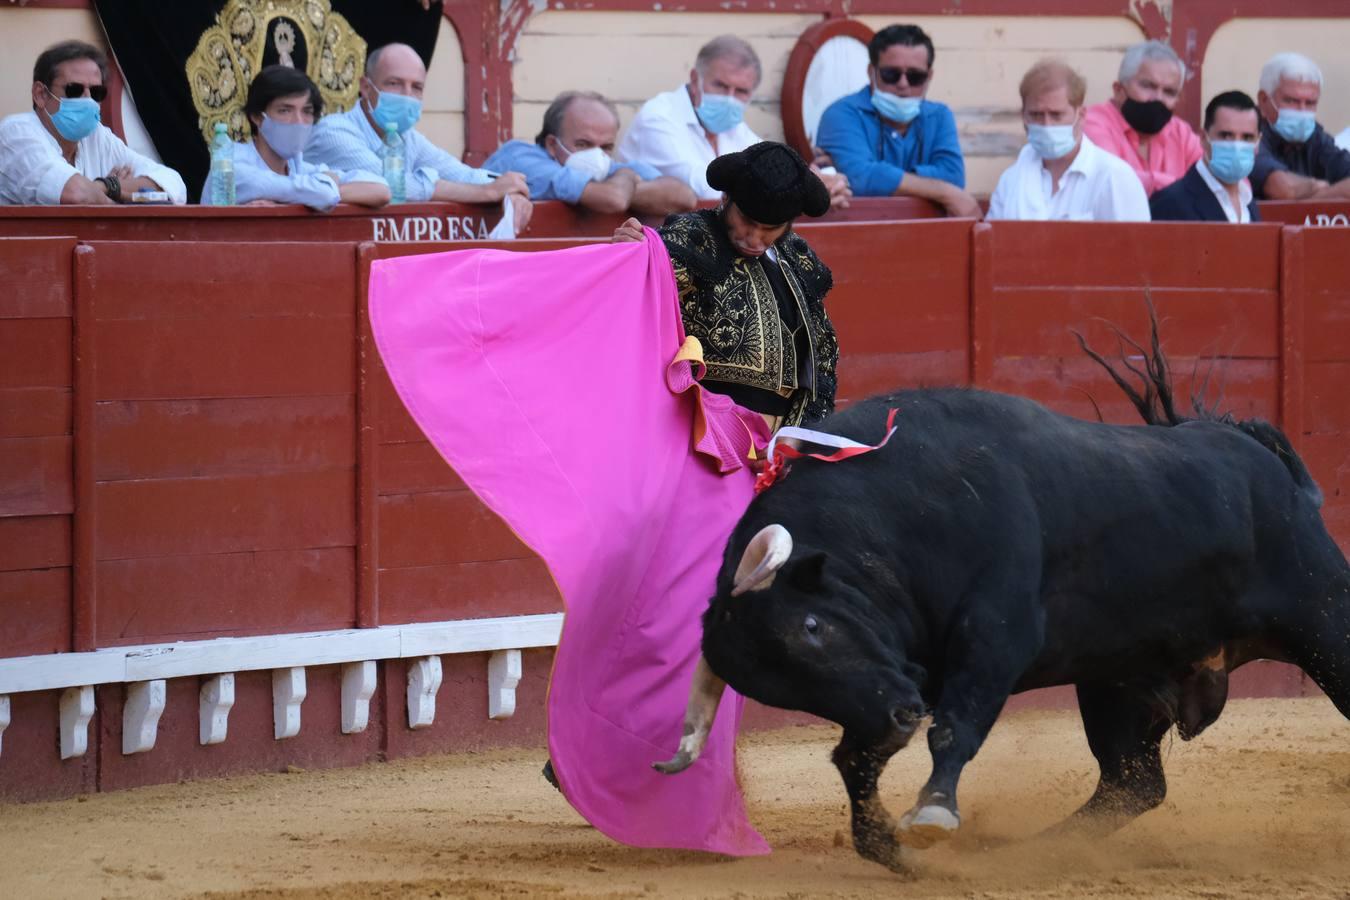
1259, 807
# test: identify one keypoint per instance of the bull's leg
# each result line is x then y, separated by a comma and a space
861, 765
987, 659
1124, 728
1321, 647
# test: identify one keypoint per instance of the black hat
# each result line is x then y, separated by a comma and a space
770, 183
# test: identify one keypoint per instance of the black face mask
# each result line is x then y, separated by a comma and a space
1146, 118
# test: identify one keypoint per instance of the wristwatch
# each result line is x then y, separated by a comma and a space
112, 186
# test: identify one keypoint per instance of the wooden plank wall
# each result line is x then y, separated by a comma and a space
249, 469
37, 489
224, 440
1216, 291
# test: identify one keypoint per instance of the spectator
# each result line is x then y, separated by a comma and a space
391, 94
1060, 173
60, 153
570, 160
1215, 189
1137, 124
1296, 159
679, 132
888, 138
281, 108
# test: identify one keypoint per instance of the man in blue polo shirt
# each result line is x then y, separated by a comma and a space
888, 139
572, 160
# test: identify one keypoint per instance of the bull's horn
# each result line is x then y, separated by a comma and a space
763, 557
704, 695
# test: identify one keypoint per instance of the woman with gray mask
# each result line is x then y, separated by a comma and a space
282, 106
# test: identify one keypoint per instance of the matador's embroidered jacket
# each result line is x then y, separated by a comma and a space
728, 303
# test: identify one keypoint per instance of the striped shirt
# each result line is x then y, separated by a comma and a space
347, 142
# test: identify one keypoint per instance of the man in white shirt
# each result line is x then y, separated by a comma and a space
60, 153
1216, 188
680, 132
1060, 173
391, 94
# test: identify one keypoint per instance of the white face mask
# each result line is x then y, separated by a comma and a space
592, 161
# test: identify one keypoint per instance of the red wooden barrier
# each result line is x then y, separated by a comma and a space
1334, 213
416, 222
240, 464
1216, 290
223, 439
37, 491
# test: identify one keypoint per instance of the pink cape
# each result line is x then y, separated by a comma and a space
549, 382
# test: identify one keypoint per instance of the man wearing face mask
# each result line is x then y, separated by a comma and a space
1137, 124
1296, 159
1215, 189
1060, 174
751, 290
281, 108
60, 153
570, 160
680, 132
889, 138
391, 94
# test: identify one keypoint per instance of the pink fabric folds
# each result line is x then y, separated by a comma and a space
549, 382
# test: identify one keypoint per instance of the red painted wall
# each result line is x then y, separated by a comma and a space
197, 440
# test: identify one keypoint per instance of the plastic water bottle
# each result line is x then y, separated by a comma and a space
393, 165
222, 167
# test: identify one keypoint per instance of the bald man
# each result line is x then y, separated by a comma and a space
572, 159
391, 94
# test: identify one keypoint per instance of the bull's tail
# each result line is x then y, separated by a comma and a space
1156, 404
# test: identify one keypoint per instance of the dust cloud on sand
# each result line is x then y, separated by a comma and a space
1259, 806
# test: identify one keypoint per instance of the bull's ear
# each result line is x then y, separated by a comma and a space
809, 572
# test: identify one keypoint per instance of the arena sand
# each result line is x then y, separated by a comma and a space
1259, 807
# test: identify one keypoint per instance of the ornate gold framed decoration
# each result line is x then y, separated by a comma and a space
249, 35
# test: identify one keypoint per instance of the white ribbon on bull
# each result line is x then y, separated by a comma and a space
767, 552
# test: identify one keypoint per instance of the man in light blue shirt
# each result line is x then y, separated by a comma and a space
888, 138
571, 160
281, 107
391, 93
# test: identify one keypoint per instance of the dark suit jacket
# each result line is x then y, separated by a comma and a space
1189, 199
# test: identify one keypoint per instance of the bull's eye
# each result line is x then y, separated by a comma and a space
811, 625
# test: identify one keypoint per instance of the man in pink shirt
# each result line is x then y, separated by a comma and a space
1137, 125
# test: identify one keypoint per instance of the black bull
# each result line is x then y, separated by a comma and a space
994, 546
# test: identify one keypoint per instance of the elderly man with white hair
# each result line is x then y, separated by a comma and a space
1297, 159
680, 132
1137, 124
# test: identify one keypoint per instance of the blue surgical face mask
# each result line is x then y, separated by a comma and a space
397, 109
77, 118
1051, 141
288, 139
719, 112
1296, 125
898, 109
1231, 161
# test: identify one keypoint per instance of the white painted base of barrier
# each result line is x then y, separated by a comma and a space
144, 669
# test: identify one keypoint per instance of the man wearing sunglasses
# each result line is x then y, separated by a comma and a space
60, 153
888, 138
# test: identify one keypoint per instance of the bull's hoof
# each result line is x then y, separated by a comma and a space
924, 826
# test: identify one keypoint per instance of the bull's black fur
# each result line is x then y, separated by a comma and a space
993, 546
